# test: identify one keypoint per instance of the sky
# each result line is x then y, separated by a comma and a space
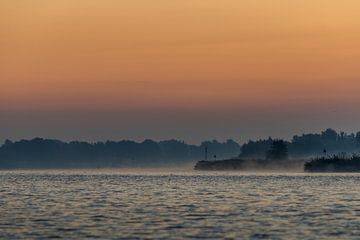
191, 70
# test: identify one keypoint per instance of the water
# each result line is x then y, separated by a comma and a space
122, 205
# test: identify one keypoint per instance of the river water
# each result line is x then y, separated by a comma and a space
118, 204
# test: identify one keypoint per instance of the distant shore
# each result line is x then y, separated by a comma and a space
334, 164
324, 164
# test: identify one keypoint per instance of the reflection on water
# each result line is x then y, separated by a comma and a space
115, 205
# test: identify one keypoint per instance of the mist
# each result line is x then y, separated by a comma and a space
51, 153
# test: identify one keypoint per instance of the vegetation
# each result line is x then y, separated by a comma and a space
306, 145
46, 153
277, 151
335, 163
280, 155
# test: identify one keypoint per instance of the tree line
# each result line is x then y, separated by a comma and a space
328, 142
39, 152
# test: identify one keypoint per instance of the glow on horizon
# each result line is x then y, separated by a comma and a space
189, 58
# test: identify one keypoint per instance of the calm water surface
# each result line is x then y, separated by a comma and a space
121, 205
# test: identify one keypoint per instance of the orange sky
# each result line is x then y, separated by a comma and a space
228, 55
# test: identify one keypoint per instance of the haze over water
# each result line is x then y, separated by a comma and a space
116, 204
109, 83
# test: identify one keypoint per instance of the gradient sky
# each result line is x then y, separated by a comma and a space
193, 70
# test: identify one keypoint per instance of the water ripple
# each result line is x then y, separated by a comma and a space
111, 205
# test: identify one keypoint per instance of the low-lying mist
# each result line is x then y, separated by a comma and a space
284, 155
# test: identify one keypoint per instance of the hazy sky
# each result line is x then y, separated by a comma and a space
194, 70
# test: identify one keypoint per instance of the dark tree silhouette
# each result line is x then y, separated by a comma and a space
278, 151
255, 149
47, 153
50, 153
307, 145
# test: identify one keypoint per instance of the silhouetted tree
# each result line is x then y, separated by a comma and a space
329, 135
40, 152
47, 153
255, 149
278, 151
173, 149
